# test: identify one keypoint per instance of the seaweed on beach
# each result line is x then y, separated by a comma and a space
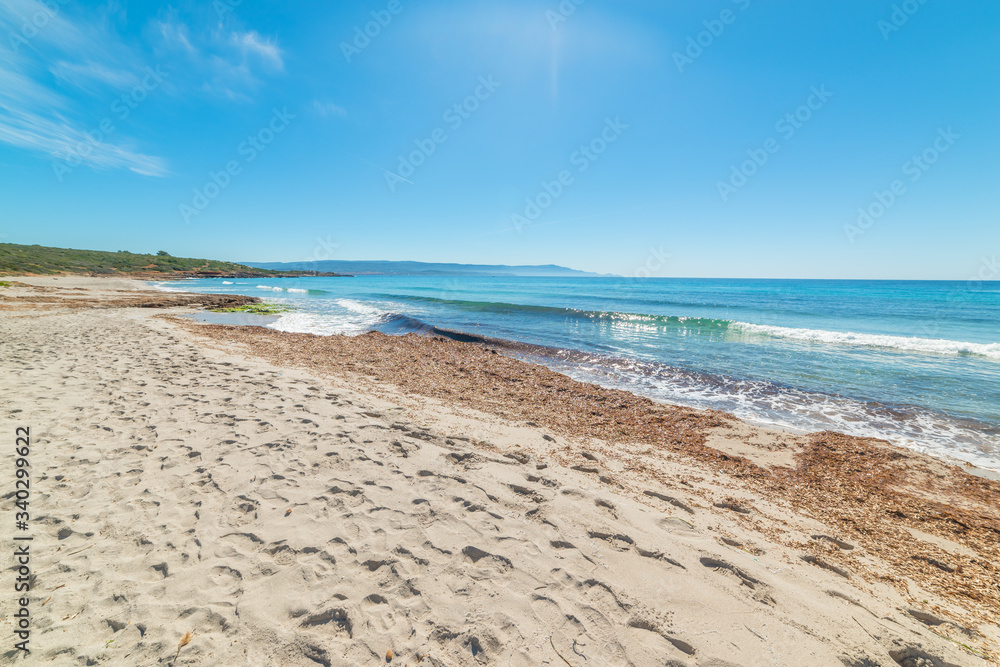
46, 297
869, 491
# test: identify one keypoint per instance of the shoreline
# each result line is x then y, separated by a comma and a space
675, 513
538, 353
477, 377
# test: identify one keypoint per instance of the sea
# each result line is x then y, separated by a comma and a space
916, 363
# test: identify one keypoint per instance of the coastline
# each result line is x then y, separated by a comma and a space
869, 386
561, 517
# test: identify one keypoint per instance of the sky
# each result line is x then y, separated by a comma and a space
723, 138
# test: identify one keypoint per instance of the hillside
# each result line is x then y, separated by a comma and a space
43, 260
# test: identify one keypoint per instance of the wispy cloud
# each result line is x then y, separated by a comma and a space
43, 106
19, 89
252, 45
61, 140
29, 24
175, 35
329, 109
66, 64
230, 63
90, 75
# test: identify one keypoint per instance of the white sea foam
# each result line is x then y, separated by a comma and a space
358, 307
923, 431
321, 325
351, 318
164, 287
905, 343
764, 403
297, 291
270, 289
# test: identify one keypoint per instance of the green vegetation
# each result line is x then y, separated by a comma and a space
256, 309
4, 283
35, 259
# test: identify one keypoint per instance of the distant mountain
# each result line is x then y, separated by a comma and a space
382, 268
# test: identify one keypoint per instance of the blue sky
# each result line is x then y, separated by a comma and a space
732, 138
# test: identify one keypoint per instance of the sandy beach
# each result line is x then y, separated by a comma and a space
290, 499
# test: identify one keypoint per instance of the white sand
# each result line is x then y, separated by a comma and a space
286, 519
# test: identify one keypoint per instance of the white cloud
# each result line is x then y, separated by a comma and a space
61, 65
70, 144
27, 24
86, 75
328, 109
251, 44
174, 35
36, 113
17, 88
231, 63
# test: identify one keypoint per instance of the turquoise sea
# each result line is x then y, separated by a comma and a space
917, 363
